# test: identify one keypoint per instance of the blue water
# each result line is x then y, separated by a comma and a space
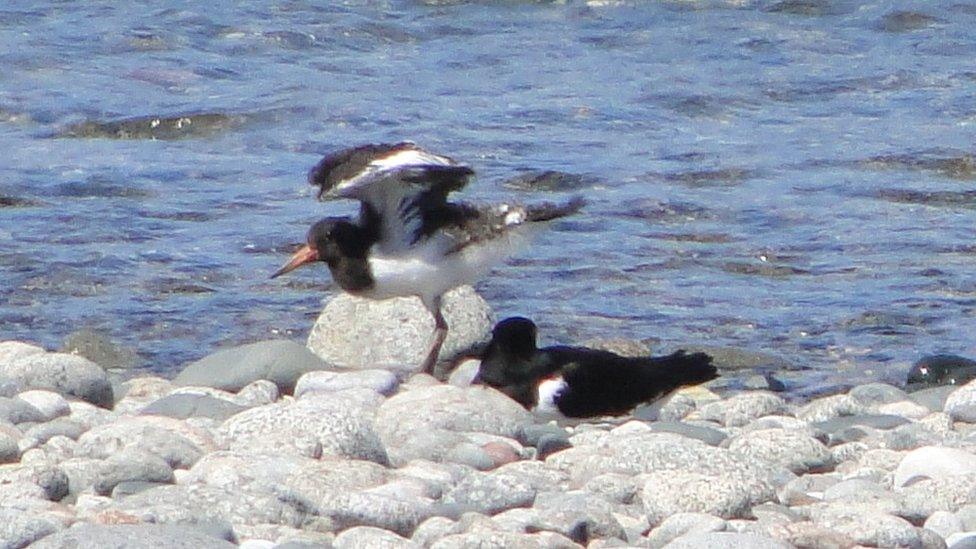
788, 177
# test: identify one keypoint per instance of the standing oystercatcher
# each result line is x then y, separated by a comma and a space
576, 382
408, 239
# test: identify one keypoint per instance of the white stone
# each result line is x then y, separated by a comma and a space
933, 462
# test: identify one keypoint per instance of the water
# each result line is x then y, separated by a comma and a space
792, 177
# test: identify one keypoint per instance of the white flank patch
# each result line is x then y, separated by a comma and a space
549, 390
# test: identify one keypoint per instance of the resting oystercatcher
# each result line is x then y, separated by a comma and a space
577, 382
408, 239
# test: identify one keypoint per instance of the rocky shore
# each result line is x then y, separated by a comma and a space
278, 445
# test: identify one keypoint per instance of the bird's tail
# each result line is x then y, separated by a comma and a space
680, 369
547, 211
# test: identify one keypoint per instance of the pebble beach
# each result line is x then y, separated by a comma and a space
280, 445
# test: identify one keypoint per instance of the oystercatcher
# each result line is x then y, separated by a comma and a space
577, 382
408, 239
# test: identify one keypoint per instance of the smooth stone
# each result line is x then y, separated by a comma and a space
792, 450
9, 450
257, 393
20, 528
16, 411
961, 403
726, 540
131, 465
185, 405
934, 462
941, 369
61, 427
967, 514
383, 382
339, 424
51, 405
807, 489
933, 398
499, 539
741, 409
962, 540
277, 360
100, 349
875, 421
944, 523
712, 437
130, 487
464, 373
131, 536
491, 493
62, 373
426, 422
368, 537
876, 394
359, 333
12, 350
680, 524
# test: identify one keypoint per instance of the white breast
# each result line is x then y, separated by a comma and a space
548, 392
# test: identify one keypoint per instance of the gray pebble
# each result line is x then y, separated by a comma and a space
795, 451
875, 394
280, 361
131, 465
934, 398
726, 540
9, 451
369, 537
944, 523
743, 408
20, 528
491, 493
383, 382
17, 411
712, 437
185, 405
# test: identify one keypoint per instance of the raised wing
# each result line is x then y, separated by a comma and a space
401, 186
464, 224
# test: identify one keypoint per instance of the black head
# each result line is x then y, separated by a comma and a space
328, 240
515, 335
508, 359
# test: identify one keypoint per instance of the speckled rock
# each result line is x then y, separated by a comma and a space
395, 333
503, 540
923, 497
682, 491
15, 411
944, 523
338, 424
20, 528
866, 527
427, 422
383, 382
62, 373
831, 407
132, 536
680, 524
368, 537
178, 443
491, 493
12, 350
280, 361
795, 451
743, 408
578, 515
726, 540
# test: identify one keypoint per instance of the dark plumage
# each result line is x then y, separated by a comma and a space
581, 382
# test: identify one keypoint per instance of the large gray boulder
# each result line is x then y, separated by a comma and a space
62, 373
277, 360
395, 333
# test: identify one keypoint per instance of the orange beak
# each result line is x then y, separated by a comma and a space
305, 254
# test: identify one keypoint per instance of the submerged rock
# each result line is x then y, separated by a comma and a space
156, 127
277, 360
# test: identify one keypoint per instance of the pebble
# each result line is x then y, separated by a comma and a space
279, 361
62, 373
362, 458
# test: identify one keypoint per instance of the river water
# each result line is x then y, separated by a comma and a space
793, 178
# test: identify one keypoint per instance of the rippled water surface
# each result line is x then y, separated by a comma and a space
791, 177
